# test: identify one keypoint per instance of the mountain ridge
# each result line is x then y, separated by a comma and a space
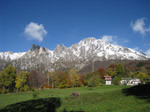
77, 56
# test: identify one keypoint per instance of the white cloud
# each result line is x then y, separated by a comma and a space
148, 53
114, 40
35, 31
109, 39
139, 26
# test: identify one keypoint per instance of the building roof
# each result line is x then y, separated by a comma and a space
108, 78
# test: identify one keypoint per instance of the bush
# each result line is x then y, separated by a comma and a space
61, 86
94, 81
4, 91
46, 86
26, 87
102, 81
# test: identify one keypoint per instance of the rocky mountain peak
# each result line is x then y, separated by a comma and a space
78, 55
63, 47
35, 47
60, 49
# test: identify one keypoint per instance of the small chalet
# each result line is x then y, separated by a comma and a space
108, 80
124, 81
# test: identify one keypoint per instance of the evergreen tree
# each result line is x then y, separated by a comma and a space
116, 80
120, 70
94, 79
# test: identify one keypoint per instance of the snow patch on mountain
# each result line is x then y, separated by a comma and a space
87, 48
10, 55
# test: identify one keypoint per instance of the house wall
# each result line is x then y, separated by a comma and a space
108, 82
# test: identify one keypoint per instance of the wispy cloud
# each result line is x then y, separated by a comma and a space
114, 39
139, 26
148, 53
35, 31
109, 39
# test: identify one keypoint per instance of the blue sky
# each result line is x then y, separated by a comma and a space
51, 22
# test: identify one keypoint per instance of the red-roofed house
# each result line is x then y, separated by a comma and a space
108, 80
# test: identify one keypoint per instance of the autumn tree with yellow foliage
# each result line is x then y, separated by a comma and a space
74, 78
21, 79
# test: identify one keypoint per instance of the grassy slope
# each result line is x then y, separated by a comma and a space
99, 99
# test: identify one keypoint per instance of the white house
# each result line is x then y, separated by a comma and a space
108, 80
134, 82
124, 81
130, 81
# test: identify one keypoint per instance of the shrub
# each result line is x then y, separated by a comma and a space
116, 80
26, 88
4, 91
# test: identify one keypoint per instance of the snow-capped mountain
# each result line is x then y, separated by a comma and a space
97, 48
10, 55
77, 56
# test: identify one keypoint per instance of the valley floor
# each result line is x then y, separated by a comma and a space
97, 99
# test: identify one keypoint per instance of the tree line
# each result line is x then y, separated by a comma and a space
12, 80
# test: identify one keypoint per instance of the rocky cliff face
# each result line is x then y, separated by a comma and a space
76, 56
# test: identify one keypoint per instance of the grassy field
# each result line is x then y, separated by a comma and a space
98, 99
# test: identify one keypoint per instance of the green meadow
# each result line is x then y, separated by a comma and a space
98, 99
